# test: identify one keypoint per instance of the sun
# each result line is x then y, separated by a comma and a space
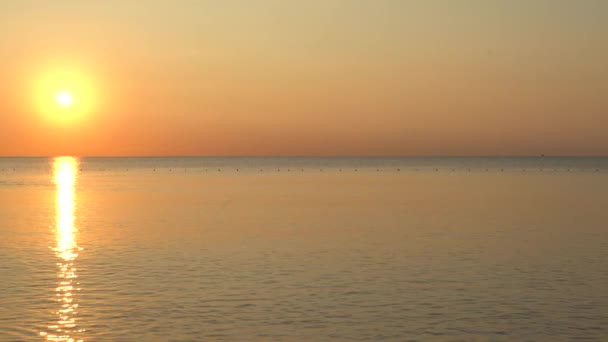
65, 95
64, 99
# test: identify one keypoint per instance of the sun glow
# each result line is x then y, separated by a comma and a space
65, 95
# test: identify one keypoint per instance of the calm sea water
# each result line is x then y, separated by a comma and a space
303, 249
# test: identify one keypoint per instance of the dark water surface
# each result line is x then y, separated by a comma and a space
303, 249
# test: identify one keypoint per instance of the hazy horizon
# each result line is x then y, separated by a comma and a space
309, 156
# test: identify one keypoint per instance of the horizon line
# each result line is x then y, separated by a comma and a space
314, 156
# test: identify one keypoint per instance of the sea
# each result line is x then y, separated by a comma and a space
303, 249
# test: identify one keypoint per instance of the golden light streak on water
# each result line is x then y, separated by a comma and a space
65, 171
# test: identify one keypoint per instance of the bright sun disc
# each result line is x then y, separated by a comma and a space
64, 99
65, 95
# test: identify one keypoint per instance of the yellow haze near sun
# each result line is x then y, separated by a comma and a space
65, 95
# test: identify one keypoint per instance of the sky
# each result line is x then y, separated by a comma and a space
318, 77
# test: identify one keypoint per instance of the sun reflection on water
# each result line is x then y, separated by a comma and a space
65, 170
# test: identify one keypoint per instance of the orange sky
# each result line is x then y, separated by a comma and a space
351, 77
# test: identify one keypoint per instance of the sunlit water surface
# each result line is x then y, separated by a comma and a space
303, 249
